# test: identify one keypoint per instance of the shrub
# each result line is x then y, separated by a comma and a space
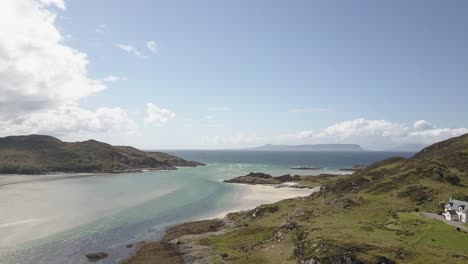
460, 196
452, 179
417, 193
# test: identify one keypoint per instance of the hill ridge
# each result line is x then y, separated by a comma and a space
36, 154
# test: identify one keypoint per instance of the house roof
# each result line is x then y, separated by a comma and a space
452, 212
455, 204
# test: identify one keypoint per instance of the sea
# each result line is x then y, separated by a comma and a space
60, 220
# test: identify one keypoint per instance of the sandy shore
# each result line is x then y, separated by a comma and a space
251, 196
9, 179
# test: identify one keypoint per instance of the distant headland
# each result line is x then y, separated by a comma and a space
315, 147
39, 154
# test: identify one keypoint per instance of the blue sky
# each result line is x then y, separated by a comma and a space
244, 73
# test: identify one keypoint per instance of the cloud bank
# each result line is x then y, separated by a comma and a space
376, 134
156, 115
43, 79
369, 133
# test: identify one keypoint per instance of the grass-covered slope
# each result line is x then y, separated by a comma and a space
372, 216
36, 154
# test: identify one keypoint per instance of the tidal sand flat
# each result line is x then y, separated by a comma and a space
250, 196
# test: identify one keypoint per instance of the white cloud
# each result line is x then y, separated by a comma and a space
72, 119
305, 134
58, 3
433, 135
375, 134
112, 78
422, 124
37, 70
219, 109
130, 49
152, 46
156, 115
43, 79
363, 128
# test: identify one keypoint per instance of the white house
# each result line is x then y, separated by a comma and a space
456, 210
462, 212
451, 215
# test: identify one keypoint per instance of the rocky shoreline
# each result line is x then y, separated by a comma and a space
181, 244
262, 178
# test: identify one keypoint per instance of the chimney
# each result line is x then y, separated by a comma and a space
450, 199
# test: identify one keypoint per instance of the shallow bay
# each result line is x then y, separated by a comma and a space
60, 220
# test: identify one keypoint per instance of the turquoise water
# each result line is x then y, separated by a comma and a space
61, 220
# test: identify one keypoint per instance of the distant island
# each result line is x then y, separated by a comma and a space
306, 168
38, 154
316, 147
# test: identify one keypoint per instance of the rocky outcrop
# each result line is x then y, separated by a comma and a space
96, 256
262, 178
181, 244
262, 210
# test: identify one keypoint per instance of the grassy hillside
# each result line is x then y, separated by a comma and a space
36, 154
372, 216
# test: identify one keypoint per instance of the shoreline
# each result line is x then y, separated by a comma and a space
51, 176
179, 243
11, 179
253, 195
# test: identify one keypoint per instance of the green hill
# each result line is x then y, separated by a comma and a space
35, 154
372, 216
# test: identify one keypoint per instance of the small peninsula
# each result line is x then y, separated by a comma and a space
261, 178
38, 154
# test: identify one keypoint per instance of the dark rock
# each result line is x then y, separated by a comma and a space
259, 175
262, 209
262, 178
346, 258
310, 261
298, 212
340, 202
129, 246
288, 224
96, 256
384, 260
285, 178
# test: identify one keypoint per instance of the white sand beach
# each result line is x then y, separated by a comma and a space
251, 196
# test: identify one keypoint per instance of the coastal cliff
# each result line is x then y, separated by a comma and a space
38, 154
